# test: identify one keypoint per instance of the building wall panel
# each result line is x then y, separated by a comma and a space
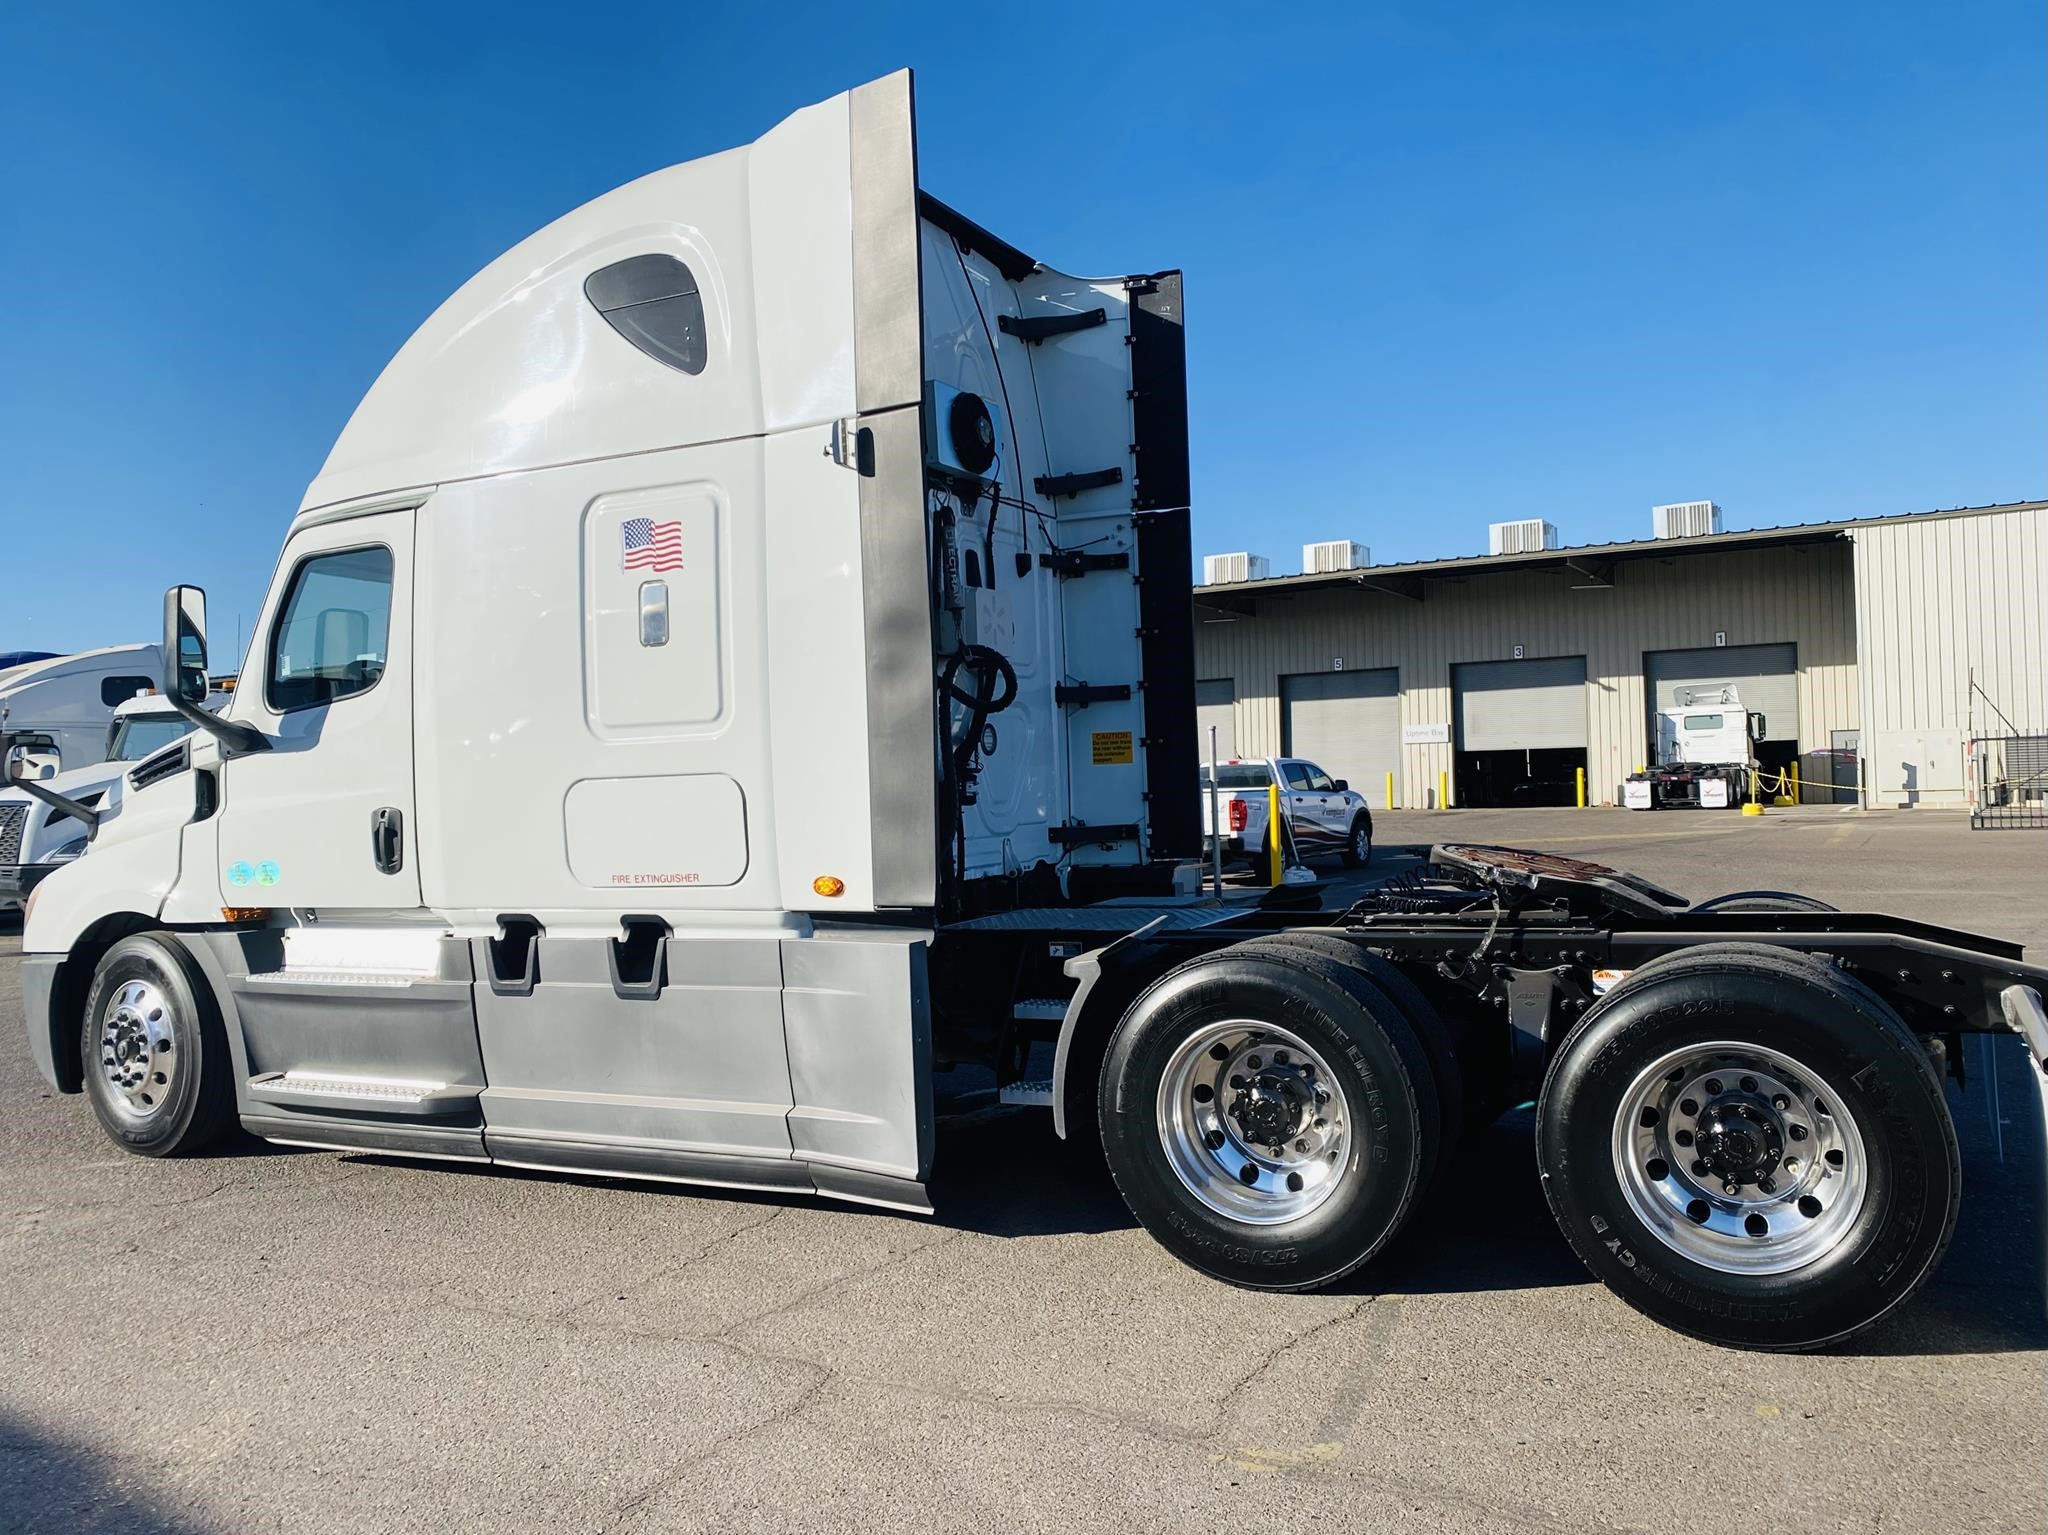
1939, 602
1799, 594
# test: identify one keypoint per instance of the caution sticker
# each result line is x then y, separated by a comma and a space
1112, 748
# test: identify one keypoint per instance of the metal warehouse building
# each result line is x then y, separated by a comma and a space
1493, 679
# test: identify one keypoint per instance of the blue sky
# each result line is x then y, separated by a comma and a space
1445, 263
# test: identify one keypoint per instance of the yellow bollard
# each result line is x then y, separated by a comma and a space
1275, 833
1582, 788
1390, 791
1795, 782
1443, 791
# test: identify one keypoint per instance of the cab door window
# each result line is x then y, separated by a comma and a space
331, 638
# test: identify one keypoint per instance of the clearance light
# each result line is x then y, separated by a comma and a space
829, 886
244, 913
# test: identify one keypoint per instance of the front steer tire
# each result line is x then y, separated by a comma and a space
1805, 1264
154, 1050
1286, 1012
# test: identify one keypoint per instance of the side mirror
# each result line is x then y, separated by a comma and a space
1342, 785
16, 744
185, 645
1756, 727
185, 685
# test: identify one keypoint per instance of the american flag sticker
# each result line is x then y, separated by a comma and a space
651, 545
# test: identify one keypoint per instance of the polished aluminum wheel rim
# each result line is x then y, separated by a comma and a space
1254, 1122
138, 1050
1740, 1158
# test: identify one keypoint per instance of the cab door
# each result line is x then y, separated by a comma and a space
1302, 807
324, 819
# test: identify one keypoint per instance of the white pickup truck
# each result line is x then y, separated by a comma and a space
1324, 814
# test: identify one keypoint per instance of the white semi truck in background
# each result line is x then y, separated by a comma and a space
58, 706
39, 835
1705, 753
736, 662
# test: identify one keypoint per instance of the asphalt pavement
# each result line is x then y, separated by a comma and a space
265, 1339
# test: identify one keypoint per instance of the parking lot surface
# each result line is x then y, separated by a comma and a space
265, 1339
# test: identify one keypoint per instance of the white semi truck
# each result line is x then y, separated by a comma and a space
37, 836
1705, 758
58, 706
736, 661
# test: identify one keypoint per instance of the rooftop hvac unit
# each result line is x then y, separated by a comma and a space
1686, 519
1338, 554
1525, 537
1218, 569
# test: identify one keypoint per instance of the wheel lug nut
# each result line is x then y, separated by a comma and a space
1797, 1132
1302, 1144
1767, 1185
1253, 1063
1712, 1085
1780, 1102
1279, 1057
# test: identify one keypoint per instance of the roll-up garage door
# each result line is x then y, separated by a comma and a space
1347, 723
1766, 677
1216, 704
1521, 705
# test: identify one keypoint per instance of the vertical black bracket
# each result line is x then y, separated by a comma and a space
512, 958
639, 959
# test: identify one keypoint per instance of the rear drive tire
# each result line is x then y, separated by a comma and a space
1358, 843
1764, 901
1385, 979
154, 1050
1751, 1147
1284, 1066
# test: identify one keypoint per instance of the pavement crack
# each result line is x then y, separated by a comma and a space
667, 1266
1273, 1357
631, 1507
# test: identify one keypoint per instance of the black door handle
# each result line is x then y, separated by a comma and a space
387, 839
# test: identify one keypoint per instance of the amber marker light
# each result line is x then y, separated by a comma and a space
244, 913
829, 885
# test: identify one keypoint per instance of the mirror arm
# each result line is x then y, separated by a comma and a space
65, 803
236, 739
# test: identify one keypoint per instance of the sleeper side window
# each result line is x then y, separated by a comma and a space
331, 638
118, 690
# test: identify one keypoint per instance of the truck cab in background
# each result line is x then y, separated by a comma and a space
60, 705
1705, 757
37, 837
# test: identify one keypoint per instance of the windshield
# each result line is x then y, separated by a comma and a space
1703, 722
1240, 775
135, 736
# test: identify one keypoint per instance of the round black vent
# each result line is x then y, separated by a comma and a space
973, 431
